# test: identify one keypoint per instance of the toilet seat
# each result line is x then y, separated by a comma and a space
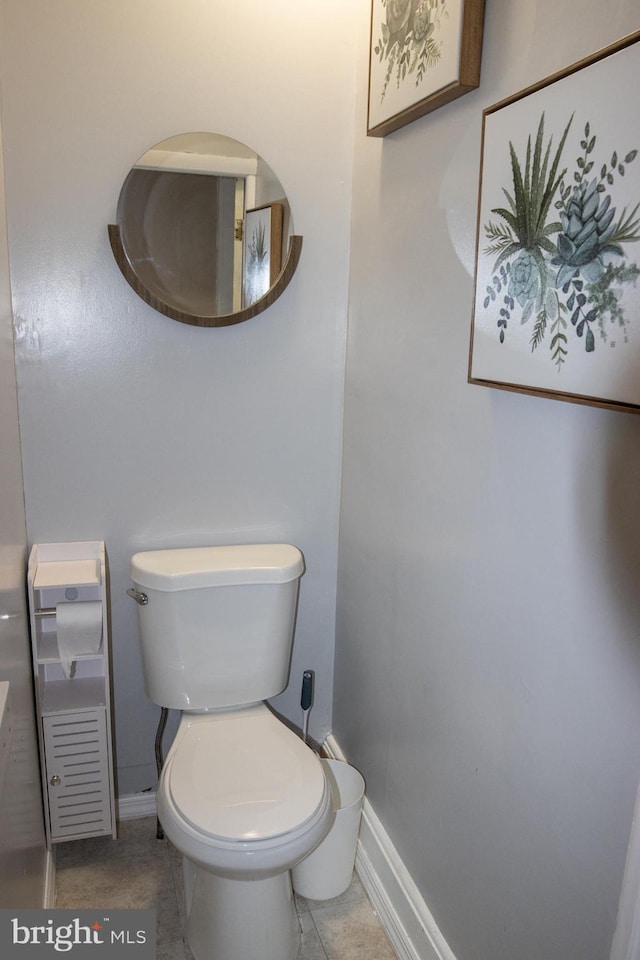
243, 777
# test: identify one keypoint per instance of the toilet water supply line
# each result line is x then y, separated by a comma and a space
164, 713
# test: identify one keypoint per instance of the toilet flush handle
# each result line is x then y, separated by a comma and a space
140, 598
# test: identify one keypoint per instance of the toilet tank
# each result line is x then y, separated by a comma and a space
217, 627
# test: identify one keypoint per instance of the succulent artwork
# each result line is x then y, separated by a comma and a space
560, 246
408, 39
256, 281
258, 246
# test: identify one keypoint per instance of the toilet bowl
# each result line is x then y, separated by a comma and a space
240, 795
244, 800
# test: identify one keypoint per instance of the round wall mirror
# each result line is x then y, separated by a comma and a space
204, 231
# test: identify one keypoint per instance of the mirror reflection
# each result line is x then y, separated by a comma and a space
205, 228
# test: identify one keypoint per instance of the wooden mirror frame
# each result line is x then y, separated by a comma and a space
281, 283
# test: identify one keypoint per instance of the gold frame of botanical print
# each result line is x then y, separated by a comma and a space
422, 54
556, 308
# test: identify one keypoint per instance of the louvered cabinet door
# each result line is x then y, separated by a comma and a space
77, 768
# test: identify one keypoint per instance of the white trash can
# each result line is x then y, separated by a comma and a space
327, 871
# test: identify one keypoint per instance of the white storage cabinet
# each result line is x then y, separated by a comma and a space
73, 693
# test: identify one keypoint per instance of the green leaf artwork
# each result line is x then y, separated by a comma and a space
559, 247
256, 278
408, 40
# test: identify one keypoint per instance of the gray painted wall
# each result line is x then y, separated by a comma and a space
138, 430
488, 649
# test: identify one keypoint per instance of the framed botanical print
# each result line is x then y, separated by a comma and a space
557, 287
423, 54
262, 257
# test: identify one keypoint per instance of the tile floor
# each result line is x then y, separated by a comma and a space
137, 870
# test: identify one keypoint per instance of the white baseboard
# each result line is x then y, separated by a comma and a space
49, 894
137, 805
405, 916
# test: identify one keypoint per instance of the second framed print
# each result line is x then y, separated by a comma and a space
423, 54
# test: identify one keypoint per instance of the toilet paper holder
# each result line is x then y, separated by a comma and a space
68, 592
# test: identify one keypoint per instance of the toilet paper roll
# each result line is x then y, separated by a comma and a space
79, 631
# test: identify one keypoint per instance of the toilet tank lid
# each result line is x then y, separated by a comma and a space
189, 568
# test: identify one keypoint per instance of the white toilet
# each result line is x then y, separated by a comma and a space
240, 795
